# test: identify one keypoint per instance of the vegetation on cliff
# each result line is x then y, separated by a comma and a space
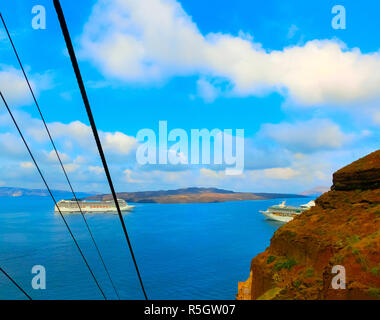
342, 229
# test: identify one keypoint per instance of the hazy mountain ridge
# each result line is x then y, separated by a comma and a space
316, 191
18, 192
191, 195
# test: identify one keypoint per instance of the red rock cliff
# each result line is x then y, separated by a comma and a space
342, 229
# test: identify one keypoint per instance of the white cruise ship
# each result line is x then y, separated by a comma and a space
92, 206
284, 213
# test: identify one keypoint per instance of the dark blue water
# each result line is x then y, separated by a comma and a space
184, 251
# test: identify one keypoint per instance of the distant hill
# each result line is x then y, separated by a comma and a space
316, 191
18, 192
191, 195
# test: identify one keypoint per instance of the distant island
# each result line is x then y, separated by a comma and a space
19, 192
184, 195
191, 195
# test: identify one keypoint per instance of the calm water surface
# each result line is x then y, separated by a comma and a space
184, 251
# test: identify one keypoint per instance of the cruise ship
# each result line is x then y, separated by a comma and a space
284, 213
92, 206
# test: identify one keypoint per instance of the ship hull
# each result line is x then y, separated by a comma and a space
271, 216
285, 213
93, 210
68, 206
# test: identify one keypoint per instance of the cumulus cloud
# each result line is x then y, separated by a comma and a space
76, 130
15, 89
52, 157
27, 165
307, 136
292, 31
118, 142
128, 177
150, 40
13, 86
11, 145
281, 173
209, 173
71, 167
207, 91
260, 156
376, 117
79, 156
113, 142
96, 169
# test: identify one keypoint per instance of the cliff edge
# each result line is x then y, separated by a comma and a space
342, 229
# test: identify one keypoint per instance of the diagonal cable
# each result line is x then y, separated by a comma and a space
82, 88
51, 194
15, 283
58, 156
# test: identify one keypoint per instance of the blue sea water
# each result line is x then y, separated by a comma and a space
184, 251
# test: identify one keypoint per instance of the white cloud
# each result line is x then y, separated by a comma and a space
292, 31
11, 145
118, 142
305, 172
71, 167
262, 156
13, 86
52, 157
207, 91
376, 117
79, 156
80, 160
26, 165
128, 177
75, 130
114, 142
281, 173
96, 169
307, 136
150, 40
208, 173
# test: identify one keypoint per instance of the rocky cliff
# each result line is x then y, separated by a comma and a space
342, 229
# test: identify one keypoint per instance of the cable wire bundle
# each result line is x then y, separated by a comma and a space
101, 153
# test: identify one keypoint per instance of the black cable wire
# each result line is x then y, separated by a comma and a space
51, 194
78, 75
15, 283
58, 156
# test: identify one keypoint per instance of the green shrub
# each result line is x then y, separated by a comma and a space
354, 239
338, 258
271, 259
374, 292
289, 234
375, 271
287, 264
309, 272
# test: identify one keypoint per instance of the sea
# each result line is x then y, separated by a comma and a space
184, 251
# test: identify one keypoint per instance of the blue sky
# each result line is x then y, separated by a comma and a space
306, 94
